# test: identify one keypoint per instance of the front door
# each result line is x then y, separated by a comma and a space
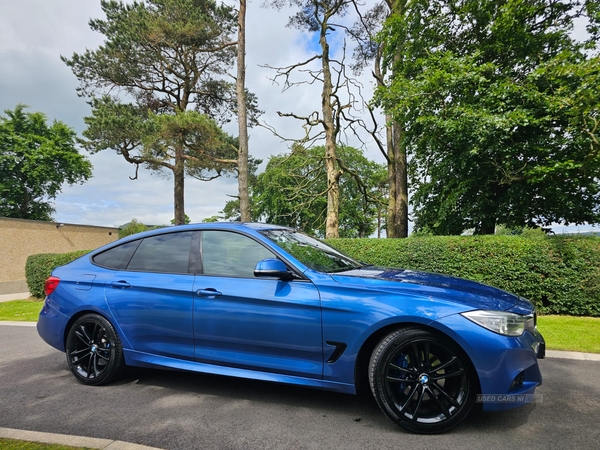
253, 323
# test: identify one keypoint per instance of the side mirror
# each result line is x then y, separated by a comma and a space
272, 267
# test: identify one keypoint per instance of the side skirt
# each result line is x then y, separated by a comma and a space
139, 359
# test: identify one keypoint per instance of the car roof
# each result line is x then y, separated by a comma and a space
240, 226
211, 226
234, 225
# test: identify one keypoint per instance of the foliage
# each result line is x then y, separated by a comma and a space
167, 60
39, 267
132, 227
500, 107
559, 274
35, 161
292, 191
231, 211
186, 221
163, 53
525, 232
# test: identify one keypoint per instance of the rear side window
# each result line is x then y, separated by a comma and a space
168, 253
118, 257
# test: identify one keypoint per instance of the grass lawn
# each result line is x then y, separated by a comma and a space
21, 310
12, 444
577, 334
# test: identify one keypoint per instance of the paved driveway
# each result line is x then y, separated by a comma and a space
176, 410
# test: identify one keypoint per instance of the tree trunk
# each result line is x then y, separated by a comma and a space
397, 226
486, 226
333, 196
333, 173
242, 118
179, 178
397, 217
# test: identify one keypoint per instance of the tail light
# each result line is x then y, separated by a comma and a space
51, 284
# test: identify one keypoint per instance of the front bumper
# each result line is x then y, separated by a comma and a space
507, 367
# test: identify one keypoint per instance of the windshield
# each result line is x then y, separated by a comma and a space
311, 252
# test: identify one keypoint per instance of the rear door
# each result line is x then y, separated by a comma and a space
254, 323
152, 298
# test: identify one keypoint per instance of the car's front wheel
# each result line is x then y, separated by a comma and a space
94, 351
423, 383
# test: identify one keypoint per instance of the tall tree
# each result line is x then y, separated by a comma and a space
370, 51
240, 84
317, 16
489, 92
291, 191
159, 73
35, 162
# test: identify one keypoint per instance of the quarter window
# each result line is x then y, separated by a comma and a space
117, 257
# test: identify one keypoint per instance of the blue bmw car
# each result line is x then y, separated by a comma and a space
270, 303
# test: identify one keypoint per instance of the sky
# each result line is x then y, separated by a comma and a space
33, 36
35, 33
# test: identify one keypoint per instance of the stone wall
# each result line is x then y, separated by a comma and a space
21, 238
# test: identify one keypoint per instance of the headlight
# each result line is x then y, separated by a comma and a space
505, 323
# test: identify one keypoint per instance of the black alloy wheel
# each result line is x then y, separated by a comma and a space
422, 382
94, 351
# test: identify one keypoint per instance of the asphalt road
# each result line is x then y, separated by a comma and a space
175, 410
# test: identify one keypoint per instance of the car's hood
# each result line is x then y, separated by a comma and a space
424, 284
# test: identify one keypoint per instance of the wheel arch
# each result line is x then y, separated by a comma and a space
82, 313
361, 379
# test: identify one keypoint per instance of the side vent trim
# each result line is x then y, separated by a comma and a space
337, 352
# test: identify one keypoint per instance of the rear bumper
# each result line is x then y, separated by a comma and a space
51, 326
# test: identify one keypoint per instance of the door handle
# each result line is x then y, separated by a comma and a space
121, 284
208, 293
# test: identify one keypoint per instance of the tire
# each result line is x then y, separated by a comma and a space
422, 382
94, 351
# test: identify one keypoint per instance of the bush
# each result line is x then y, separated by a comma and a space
133, 227
559, 274
39, 267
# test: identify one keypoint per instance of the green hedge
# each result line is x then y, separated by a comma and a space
39, 267
559, 274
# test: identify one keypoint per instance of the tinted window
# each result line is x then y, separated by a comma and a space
118, 257
168, 253
230, 254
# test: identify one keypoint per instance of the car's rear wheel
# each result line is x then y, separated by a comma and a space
423, 383
94, 351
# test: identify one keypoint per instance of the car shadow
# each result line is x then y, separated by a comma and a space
362, 407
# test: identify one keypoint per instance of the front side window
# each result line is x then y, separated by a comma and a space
168, 253
227, 254
311, 252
